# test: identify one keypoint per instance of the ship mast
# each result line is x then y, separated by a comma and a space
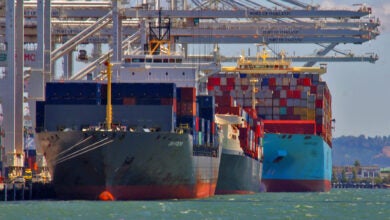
109, 105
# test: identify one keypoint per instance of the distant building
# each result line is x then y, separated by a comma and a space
363, 172
385, 172
369, 172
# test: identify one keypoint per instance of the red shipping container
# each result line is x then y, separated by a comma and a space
276, 94
304, 81
188, 94
224, 100
319, 103
214, 81
226, 88
129, 101
282, 102
230, 81
187, 109
297, 94
272, 81
197, 124
244, 87
290, 94
228, 110
290, 126
210, 88
313, 89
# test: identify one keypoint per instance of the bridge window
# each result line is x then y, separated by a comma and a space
138, 60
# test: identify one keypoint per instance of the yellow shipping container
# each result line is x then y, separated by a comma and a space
311, 114
300, 111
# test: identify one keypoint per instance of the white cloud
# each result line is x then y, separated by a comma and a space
330, 4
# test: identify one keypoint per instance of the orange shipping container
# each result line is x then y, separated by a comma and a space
187, 109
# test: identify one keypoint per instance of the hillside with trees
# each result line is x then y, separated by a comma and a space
367, 150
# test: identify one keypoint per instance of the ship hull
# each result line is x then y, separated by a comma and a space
129, 165
238, 174
296, 163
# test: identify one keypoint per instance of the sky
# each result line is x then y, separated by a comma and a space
361, 90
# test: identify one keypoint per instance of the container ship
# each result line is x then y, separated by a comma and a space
241, 161
149, 136
295, 105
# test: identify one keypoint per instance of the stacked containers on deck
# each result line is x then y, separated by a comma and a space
290, 103
206, 108
225, 90
187, 111
123, 94
197, 114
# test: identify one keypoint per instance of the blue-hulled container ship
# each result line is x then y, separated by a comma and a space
295, 105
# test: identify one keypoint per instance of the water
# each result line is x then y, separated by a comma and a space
338, 204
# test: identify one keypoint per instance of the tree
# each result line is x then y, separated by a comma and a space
343, 177
356, 164
334, 177
355, 178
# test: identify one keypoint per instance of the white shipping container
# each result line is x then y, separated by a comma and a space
304, 95
297, 102
276, 102
286, 81
316, 78
268, 110
306, 89
275, 110
303, 103
283, 94
290, 102
279, 82
240, 101
245, 81
293, 82
311, 98
278, 88
320, 112
223, 81
267, 102
261, 110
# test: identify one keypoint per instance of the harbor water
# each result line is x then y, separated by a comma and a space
337, 204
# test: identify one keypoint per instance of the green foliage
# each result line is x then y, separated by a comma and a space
344, 177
